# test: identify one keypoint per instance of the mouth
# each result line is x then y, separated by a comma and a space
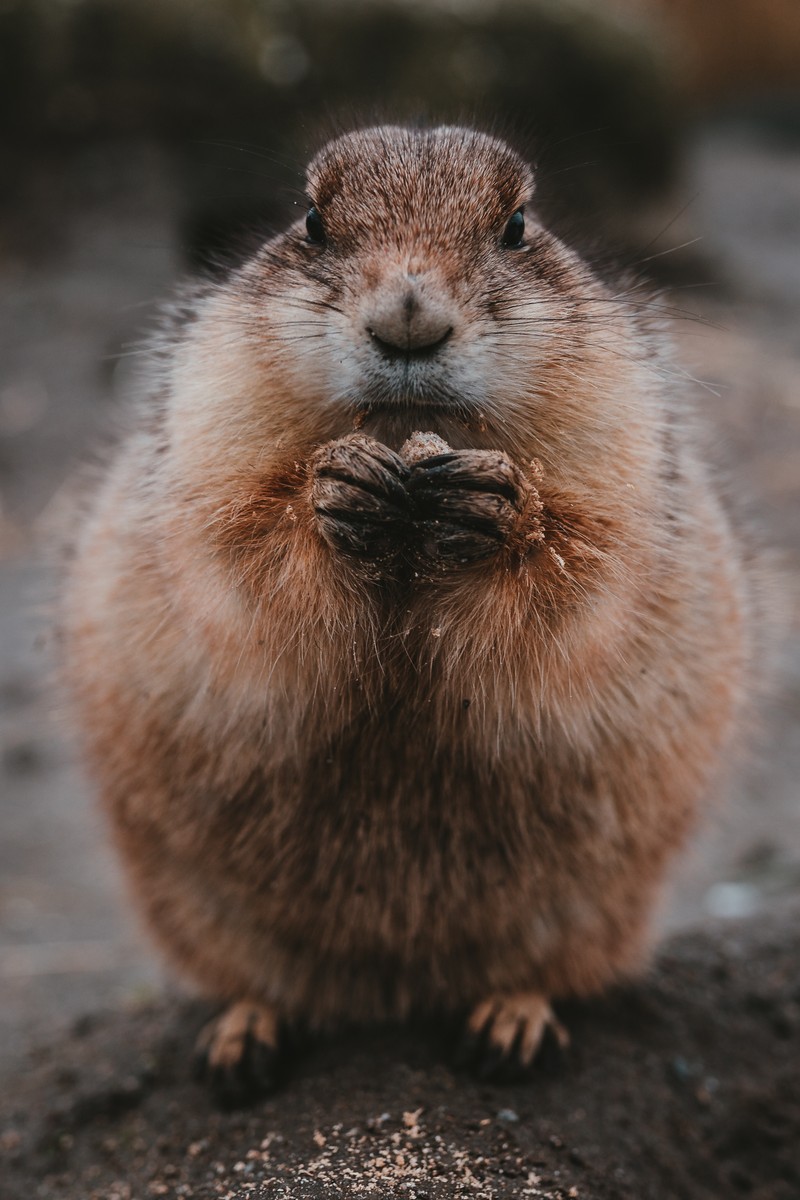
406, 407
393, 423
411, 392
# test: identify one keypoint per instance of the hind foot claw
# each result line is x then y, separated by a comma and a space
239, 1054
506, 1035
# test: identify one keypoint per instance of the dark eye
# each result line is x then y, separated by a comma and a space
314, 227
514, 231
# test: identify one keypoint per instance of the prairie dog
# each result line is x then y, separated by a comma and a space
406, 630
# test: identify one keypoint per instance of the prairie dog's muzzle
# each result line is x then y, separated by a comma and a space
407, 317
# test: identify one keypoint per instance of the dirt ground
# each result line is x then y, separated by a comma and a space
685, 1086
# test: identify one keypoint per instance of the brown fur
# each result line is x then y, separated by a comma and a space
352, 784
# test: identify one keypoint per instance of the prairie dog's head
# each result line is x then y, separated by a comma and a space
419, 291
414, 234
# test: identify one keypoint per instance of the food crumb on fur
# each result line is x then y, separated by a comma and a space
422, 445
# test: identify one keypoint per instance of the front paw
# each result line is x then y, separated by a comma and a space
467, 504
359, 497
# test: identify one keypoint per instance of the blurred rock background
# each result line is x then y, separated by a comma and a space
142, 139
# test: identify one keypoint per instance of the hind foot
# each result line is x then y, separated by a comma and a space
506, 1034
239, 1054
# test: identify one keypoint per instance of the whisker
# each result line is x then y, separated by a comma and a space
672, 250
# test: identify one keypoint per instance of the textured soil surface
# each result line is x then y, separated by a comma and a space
683, 1086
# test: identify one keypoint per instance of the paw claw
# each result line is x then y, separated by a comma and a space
508, 1036
240, 1055
552, 1049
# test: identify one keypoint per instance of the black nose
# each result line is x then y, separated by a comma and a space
408, 346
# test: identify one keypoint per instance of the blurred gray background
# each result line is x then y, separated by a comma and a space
141, 141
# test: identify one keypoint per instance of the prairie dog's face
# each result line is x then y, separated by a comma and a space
419, 289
